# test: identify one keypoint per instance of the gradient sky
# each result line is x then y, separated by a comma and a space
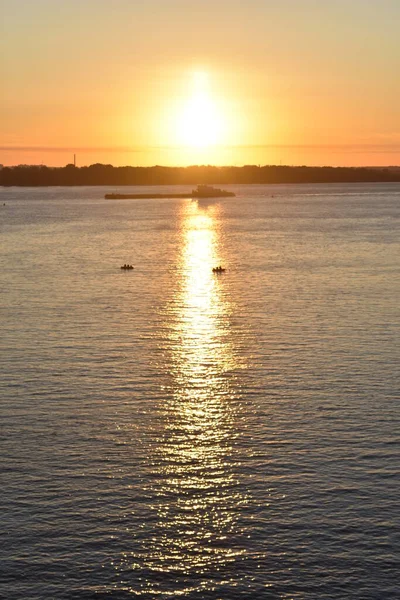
295, 81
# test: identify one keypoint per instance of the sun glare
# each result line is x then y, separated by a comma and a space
200, 123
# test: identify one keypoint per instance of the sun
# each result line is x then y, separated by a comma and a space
200, 122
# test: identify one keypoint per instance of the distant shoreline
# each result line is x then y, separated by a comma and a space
107, 175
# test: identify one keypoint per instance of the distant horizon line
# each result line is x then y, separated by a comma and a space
207, 166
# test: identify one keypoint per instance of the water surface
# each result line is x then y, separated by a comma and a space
168, 432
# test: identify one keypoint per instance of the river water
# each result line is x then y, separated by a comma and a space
168, 432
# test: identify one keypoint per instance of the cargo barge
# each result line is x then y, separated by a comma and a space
202, 191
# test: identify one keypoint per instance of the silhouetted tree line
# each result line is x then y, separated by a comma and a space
99, 174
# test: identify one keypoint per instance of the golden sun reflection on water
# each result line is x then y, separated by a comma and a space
196, 491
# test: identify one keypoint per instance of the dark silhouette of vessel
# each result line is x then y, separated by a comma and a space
207, 191
202, 191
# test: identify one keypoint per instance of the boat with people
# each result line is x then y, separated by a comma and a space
218, 269
127, 267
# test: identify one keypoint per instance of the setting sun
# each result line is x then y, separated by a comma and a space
199, 121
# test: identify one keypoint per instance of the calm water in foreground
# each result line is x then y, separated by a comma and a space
171, 433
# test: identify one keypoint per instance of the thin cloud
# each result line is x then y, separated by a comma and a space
356, 148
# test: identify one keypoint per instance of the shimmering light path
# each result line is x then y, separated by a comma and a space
194, 468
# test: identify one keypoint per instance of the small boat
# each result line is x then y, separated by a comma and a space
127, 267
218, 270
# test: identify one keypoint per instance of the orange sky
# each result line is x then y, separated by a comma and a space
182, 82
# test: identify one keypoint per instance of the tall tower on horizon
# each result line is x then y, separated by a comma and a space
74, 160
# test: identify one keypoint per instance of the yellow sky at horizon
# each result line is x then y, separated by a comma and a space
297, 83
